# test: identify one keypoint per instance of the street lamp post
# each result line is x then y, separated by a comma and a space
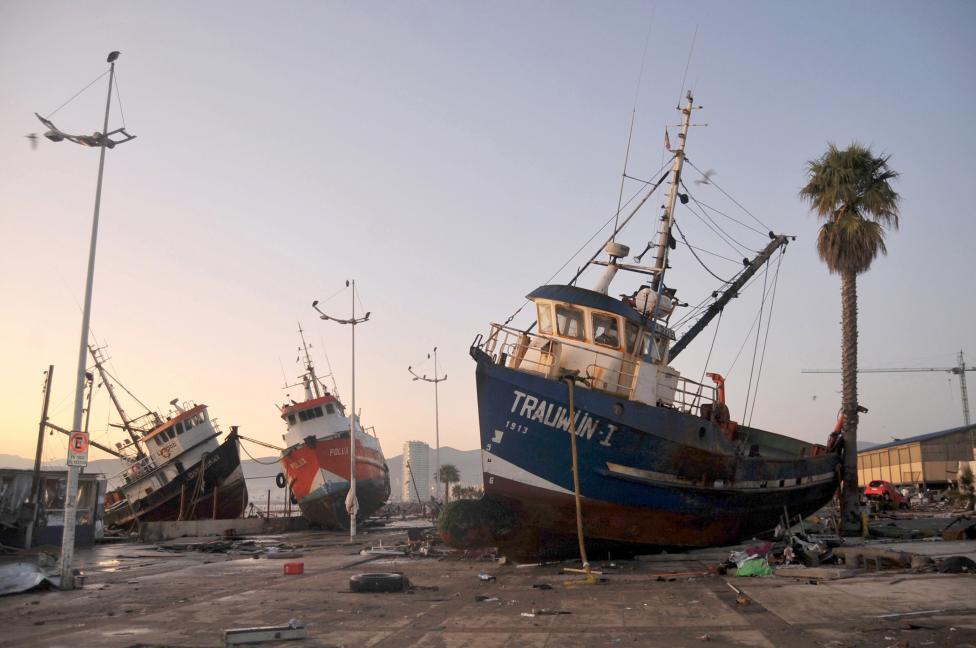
437, 418
352, 503
102, 140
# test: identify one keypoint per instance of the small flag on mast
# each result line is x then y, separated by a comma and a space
667, 140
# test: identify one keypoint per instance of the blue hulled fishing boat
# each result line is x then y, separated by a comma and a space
587, 430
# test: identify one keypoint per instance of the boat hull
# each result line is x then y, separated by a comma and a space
650, 477
222, 495
318, 473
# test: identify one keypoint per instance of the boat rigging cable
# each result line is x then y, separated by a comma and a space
769, 319
257, 461
698, 258
726, 194
755, 348
633, 117
597, 233
704, 215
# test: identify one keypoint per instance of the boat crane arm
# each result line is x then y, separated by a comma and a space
98, 445
732, 291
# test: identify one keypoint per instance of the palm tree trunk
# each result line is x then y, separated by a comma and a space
851, 500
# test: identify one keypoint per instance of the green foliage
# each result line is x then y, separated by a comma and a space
448, 474
475, 523
851, 192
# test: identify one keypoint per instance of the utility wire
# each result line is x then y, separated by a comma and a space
118, 96
75, 95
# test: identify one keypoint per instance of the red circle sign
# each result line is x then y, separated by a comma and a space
78, 442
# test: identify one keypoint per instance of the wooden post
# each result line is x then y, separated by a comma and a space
215, 503
182, 501
36, 479
268, 510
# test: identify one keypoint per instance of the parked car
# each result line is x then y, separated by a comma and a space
882, 490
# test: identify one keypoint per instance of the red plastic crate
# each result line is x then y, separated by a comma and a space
294, 568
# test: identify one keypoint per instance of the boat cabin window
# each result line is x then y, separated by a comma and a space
309, 414
291, 419
569, 322
190, 422
605, 331
631, 331
179, 428
545, 317
330, 409
652, 348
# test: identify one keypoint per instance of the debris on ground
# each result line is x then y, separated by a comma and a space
486, 577
23, 576
956, 565
240, 636
234, 545
378, 582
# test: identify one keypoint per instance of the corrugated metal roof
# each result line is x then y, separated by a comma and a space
916, 439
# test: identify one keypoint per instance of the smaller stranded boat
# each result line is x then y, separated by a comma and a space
315, 464
175, 468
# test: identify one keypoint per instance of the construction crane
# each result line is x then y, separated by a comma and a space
959, 370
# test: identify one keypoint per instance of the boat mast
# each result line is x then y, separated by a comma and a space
661, 260
309, 367
126, 422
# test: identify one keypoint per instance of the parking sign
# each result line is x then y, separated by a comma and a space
78, 449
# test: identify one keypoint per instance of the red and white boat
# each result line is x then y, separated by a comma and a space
316, 463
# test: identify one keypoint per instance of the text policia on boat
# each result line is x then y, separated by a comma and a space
657, 460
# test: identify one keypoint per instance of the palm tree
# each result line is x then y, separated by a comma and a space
448, 475
850, 192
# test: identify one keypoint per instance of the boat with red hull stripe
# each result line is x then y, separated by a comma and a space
315, 464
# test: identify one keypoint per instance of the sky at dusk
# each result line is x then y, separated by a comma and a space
450, 157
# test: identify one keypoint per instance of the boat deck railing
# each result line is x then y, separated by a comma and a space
614, 373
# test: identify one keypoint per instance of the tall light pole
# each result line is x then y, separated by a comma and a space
352, 503
103, 141
437, 421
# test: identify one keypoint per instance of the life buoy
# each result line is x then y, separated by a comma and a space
280, 480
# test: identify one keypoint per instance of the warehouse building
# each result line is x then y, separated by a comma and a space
927, 459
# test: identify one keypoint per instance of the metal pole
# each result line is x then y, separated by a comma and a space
352, 426
437, 425
71, 492
36, 479
962, 388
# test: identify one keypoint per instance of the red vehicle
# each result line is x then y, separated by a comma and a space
883, 490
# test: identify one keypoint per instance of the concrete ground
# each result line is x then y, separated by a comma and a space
135, 595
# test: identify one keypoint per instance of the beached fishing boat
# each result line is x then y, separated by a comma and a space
175, 467
658, 460
315, 464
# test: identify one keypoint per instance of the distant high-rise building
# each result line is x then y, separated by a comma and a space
416, 463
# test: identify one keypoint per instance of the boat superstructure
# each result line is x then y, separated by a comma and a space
316, 463
176, 468
660, 462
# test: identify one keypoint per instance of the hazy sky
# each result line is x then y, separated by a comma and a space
451, 156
